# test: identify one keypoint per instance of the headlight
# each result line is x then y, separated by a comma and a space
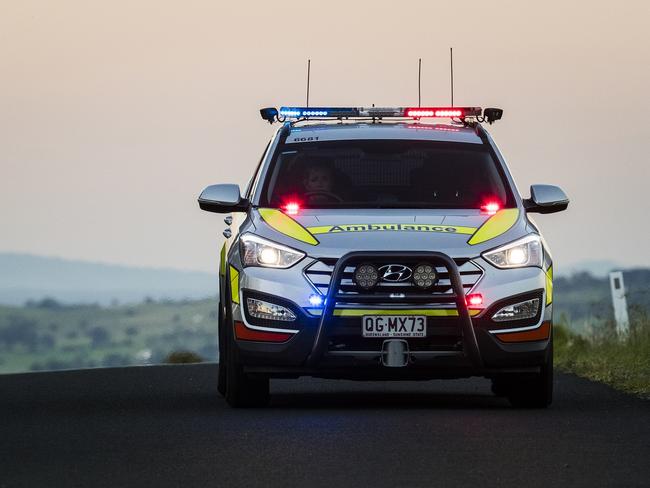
256, 251
517, 254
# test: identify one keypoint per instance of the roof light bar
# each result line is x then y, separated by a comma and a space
411, 112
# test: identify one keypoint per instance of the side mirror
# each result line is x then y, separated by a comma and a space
222, 199
546, 199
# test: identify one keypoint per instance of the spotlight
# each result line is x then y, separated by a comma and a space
424, 275
366, 276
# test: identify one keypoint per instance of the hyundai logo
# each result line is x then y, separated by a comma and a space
395, 272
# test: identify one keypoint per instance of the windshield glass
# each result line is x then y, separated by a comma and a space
385, 174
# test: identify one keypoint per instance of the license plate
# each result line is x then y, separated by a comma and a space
394, 326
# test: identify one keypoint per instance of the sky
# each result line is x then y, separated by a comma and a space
115, 115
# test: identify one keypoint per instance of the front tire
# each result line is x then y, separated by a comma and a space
243, 390
535, 391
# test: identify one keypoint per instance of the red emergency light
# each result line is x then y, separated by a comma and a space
291, 208
490, 208
474, 300
446, 112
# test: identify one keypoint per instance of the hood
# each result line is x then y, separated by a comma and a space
333, 232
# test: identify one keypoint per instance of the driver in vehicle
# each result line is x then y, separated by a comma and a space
318, 184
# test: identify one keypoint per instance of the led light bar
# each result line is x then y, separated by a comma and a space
306, 112
410, 112
452, 112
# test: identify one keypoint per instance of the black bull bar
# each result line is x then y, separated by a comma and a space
470, 345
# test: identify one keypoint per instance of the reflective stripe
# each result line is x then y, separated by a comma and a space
341, 228
496, 225
549, 285
234, 285
243, 333
440, 312
540, 333
286, 225
222, 262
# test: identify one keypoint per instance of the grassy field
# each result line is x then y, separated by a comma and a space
47, 335
623, 364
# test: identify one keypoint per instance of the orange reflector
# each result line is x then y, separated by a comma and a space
243, 333
540, 334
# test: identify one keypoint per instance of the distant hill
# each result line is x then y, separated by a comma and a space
596, 268
584, 298
26, 277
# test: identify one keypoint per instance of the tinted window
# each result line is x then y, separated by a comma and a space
385, 174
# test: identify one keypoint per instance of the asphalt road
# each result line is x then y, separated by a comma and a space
167, 426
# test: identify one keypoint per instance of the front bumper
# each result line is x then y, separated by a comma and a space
330, 345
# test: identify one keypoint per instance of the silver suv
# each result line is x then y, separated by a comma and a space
372, 245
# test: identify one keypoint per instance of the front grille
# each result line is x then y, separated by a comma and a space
319, 274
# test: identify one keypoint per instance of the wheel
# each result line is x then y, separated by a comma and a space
533, 391
243, 390
221, 380
239, 389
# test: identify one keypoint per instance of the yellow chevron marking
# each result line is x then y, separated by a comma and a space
286, 225
496, 225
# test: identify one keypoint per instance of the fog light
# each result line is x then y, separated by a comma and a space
366, 276
518, 311
269, 311
424, 276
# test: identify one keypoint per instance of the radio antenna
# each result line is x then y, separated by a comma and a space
308, 72
451, 66
419, 79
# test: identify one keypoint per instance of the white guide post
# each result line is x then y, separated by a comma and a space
620, 303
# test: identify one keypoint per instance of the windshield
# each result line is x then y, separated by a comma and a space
385, 174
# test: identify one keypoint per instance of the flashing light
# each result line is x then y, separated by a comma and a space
434, 112
285, 112
291, 208
306, 112
490, 208
315, 113
316, 300
474, 300
413, 112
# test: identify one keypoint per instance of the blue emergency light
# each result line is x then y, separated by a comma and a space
307, 112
